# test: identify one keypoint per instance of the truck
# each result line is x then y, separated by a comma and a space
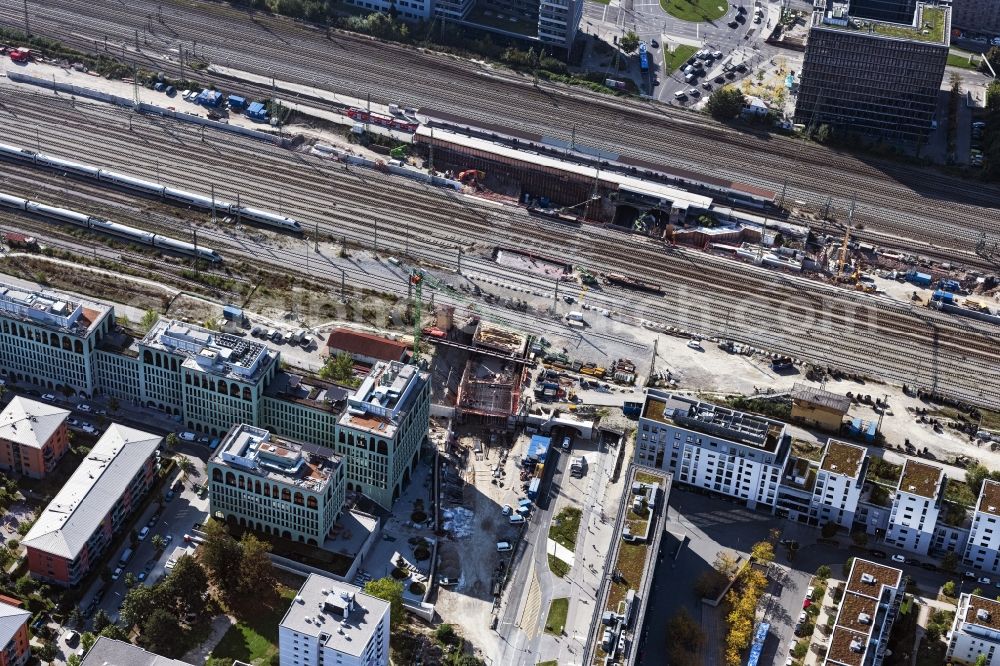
533, 488
20, 241
574, 316
20, 55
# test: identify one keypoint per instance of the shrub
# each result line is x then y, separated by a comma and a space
400, 573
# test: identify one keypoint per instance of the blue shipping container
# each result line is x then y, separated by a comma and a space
632, 409
758, 643
237, 102
539, 447
257, 111
922, 279
949, 285
533, 488
943, 296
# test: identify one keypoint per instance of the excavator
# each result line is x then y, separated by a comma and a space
472, 177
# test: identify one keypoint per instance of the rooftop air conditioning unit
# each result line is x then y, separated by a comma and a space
867, 578
983, 614
856, 646
864, 618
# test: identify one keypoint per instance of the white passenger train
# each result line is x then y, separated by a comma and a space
109, 227
139, 185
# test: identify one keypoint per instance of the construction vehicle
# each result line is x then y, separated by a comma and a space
593, 370
417, 282
398, 153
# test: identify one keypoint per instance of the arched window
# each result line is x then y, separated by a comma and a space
286, 495
147, 356
78, 347
247, 394
67, 344
383, 448
256, 487
234, 391
230, 479
221, 387
299, 500
312, 503
217, 475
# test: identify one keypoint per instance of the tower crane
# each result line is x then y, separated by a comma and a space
847, 237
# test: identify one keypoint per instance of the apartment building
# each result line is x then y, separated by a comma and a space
380, 433
978, 16
330, 622
880, 78
302, 408
109, 652
276, 486
867, 611
33, 437
74, 530
915, 507
839, 483
48, 340
14, 637
983, 548
975, 631
712, 447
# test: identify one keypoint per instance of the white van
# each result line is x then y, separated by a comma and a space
504, 546
516, 519
680, 94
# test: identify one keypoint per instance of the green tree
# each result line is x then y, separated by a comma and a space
186, 585
982, 659
338, 368
218, 553
629, 43
73, 660
101, 620
391, 590
725, 103
149, 319
114, 632
159, 543
948, 589
130, 580
87, 641
185, 465
684, 638
160, 630
172, 441
847, 566
139, 603
824, 133
726, 563
445, 633
258, 582
823, 572
993, 57
949, 562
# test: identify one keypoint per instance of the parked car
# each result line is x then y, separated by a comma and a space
810, 591
71, 637
985, 580
89, 429
117, 574
84, 407
506, 510
187, 436
168, 539
48, 397
444, 581
143, 533
898, 558
694, 344
169, 497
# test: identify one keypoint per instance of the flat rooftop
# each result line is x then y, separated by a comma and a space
856, 617
318, 610
29, 422
51, 310
257, 451
921, 479
723, 422
989, 497
843, 458
678, 197
384, 397
309, 391
68, 522
211, 352
931, 24
980, 611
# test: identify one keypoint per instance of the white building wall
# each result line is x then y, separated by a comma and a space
297, 649
835, 498
983, 549
965, 649
911, 522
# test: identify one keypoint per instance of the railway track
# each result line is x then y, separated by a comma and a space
902, 201
706, 294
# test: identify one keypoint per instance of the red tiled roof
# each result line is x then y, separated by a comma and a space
365, 344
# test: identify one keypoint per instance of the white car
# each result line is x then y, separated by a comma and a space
187, 436
88, 428
694, 344
83, 407
48, 397
506, 510
143, 533
117, 574
809, 592
985, 581
898, 558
